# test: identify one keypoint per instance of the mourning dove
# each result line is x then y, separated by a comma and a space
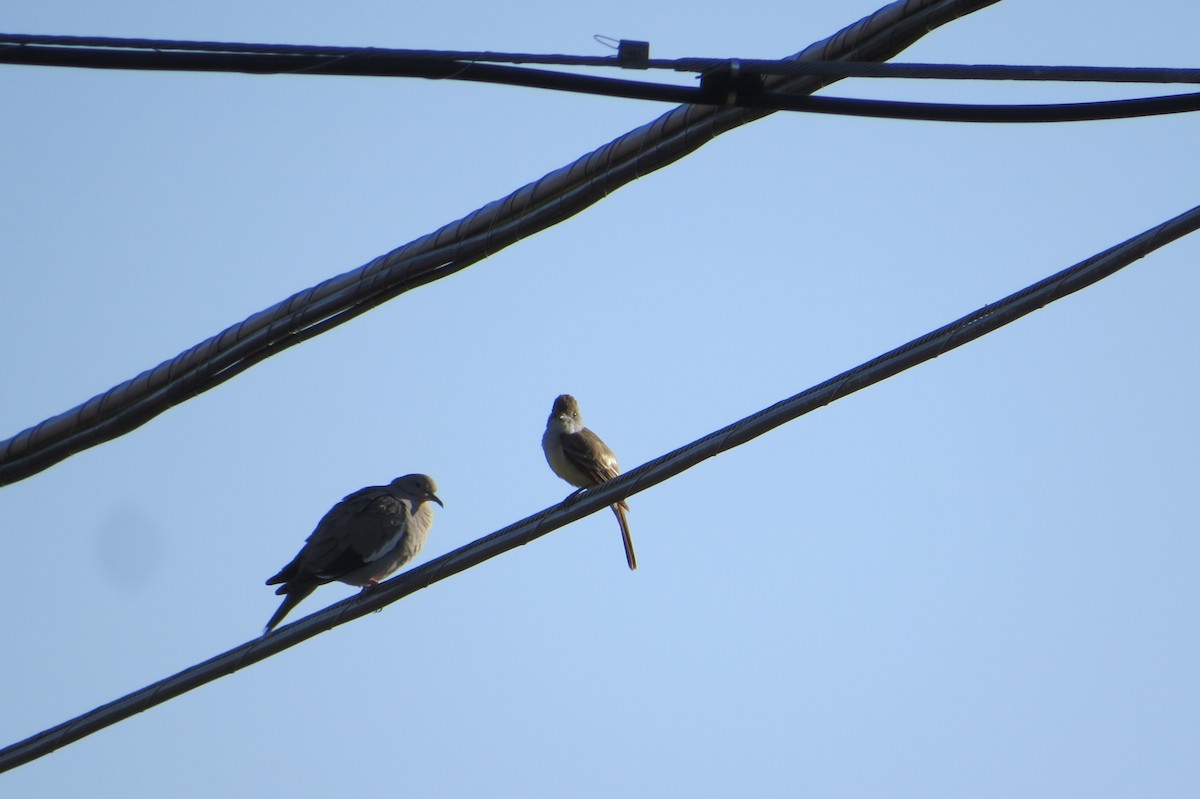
361, 540
578, 456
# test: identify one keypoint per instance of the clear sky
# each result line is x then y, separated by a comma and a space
976, 579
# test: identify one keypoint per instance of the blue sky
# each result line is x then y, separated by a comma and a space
977, 578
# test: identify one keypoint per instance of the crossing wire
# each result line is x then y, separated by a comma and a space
901, 24
102, 52
532, 208
728, 82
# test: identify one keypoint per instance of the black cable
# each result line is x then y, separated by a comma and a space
993, 72
956, 112
926, 348
383, 57
522, 213
715, 88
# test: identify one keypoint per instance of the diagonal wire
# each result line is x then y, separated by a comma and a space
534, 207
927, 347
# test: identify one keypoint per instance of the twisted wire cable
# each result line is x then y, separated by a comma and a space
453, 247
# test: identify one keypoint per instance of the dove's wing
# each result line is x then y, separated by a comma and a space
362, 528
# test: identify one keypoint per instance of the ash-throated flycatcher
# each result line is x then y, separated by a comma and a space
578, 456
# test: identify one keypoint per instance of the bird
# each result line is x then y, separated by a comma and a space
361, 540
580, 457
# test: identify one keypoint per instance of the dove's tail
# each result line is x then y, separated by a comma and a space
296, 593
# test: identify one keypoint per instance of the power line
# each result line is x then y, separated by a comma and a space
726, 82
960, 112
106, 52
453, 255
534, 207
931, 345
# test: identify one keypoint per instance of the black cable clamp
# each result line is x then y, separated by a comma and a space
725, 83
633, 54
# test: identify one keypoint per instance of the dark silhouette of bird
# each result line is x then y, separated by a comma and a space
361, 540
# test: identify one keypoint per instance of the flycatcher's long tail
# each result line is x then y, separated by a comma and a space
630, 558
